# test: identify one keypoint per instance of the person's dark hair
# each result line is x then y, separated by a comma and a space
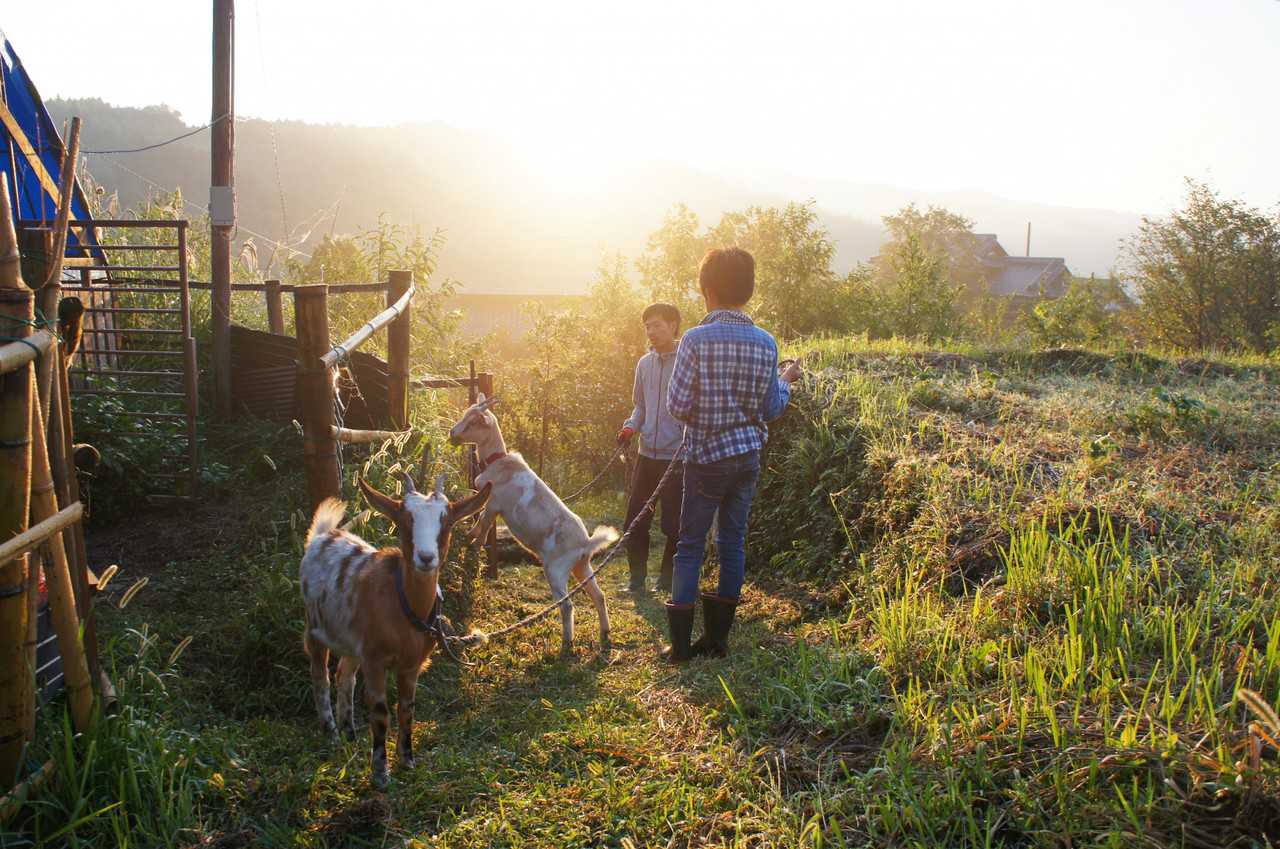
728, 275
666, 312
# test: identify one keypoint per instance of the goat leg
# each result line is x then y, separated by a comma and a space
558, 579
406, 686
375, 689
319, 655
346, 684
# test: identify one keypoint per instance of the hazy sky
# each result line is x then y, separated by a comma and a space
1083, 103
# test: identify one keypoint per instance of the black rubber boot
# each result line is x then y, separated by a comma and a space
664, 576
717, 619
680, 624
638, 557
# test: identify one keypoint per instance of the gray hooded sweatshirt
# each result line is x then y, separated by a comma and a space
660, 434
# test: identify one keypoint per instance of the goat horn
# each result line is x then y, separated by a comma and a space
408, 483
440, 484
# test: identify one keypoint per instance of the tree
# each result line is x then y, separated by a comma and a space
669, 267
1088, 314
796, 290
916, 298
1208, 276
943, 234
337, 259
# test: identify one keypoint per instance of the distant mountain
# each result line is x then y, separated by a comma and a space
507, 231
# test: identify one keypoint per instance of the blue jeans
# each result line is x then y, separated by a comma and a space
728, 486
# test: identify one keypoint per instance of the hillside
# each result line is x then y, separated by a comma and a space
994, 599
340, 178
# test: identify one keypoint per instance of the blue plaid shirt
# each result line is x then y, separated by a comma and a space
725, 386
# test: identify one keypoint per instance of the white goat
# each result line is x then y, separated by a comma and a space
535, 515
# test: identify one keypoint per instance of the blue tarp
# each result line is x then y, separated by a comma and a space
31, 200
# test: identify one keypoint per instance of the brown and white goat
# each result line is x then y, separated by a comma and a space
354, 610
535, 516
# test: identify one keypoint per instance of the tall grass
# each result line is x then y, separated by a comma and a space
133, 777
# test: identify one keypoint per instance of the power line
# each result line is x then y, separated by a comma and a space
185, 135
205, 209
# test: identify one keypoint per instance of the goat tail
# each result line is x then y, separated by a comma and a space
603, 537
328, 517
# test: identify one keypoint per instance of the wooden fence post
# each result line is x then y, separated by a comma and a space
315, 393
398, 344
17, 680
275, 307
484, 382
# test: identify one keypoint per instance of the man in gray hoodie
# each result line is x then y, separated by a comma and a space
660, 438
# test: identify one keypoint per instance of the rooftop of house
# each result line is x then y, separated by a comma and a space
1030, 275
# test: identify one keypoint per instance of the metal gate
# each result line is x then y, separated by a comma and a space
135, 375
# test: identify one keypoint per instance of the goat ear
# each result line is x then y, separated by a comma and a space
384, 504
464, 507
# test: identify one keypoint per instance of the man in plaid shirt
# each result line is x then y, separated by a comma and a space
724, 388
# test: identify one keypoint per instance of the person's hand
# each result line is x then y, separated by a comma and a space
792, 373
624, 436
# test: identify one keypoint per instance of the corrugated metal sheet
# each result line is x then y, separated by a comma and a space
264, 380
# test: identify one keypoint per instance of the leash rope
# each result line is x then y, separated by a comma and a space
617, 455
481, 637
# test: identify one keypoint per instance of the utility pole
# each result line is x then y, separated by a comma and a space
222, 205
1028, 238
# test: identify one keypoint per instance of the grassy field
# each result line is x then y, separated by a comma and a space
994, 599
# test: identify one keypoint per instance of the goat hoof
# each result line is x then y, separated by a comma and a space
606, 646
380, 779
350, 732
408, 763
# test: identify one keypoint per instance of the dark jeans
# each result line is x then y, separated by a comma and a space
728, 486
648, 473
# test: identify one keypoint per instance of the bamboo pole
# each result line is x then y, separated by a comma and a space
30, 538
315, 393
62, 603
275, 307
370, 327
13, 801
17, 394
352, 436
17, 683
15, 355
66, 188
74, 535
36, 244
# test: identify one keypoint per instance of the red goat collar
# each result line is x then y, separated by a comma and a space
491, 459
